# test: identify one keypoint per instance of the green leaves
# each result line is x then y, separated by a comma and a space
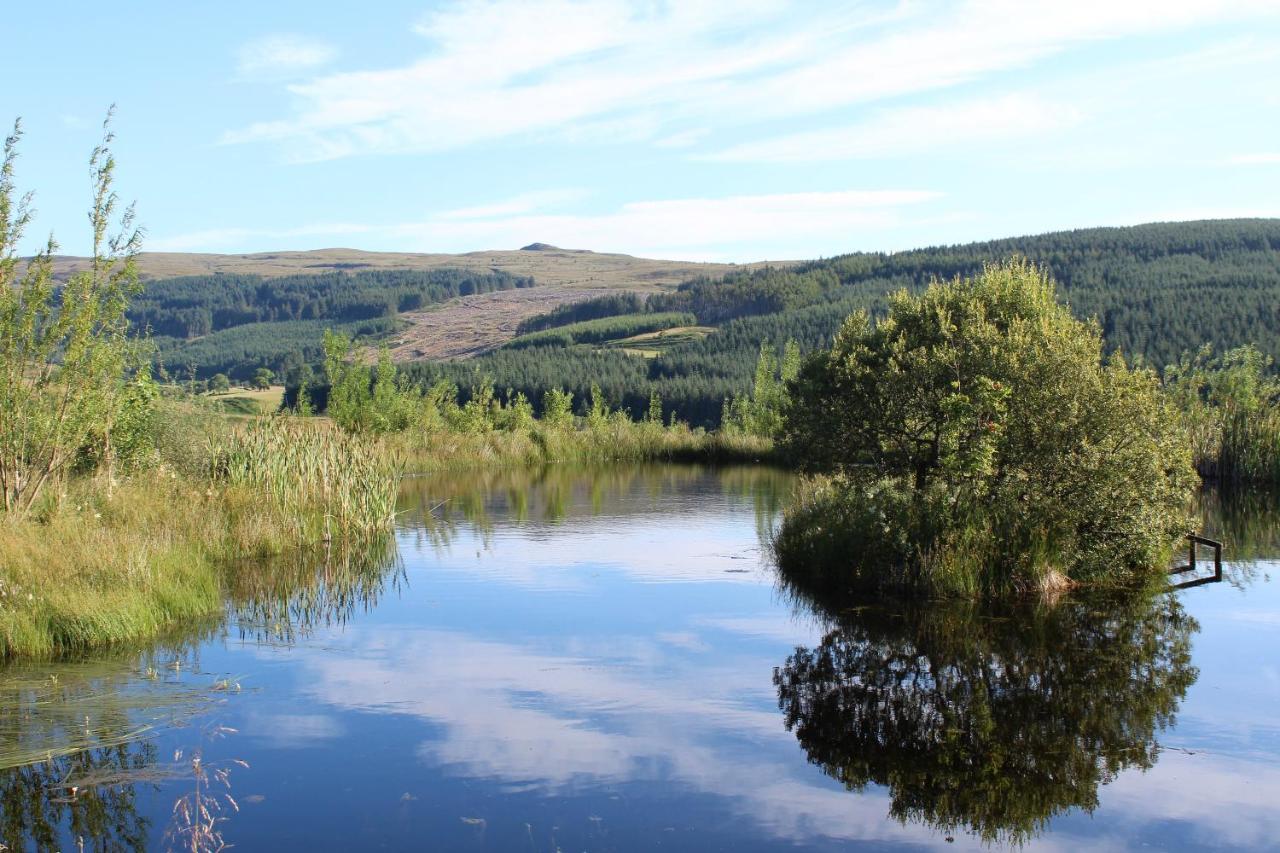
1023, 451
64, 350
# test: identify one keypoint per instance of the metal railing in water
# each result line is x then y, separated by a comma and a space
1194, 542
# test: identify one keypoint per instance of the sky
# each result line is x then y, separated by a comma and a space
690, 129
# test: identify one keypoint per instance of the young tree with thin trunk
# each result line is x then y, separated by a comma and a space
64, 348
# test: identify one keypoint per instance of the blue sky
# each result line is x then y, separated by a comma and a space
745, 130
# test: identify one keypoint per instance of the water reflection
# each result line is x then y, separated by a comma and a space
76, 736
286, 598
585, 659
74, 748
100, 806
1248, 525
991, 720
559, 496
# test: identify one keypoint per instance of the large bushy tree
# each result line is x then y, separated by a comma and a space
980, 439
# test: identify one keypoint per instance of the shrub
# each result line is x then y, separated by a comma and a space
980, 444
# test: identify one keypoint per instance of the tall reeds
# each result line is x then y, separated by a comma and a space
320, 475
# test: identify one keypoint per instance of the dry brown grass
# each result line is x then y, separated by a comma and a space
461, 327
470, 325
548, 267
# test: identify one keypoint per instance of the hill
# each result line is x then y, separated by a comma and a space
455, 326
688, 332
1156, 290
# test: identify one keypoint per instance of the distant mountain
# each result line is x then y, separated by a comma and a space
547, 264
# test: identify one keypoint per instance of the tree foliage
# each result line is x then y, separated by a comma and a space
611, 305
364, 399
64, 350
599, 331
990, 440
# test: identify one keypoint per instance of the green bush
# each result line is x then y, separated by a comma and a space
980, 444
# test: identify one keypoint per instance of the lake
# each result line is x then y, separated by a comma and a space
604, 659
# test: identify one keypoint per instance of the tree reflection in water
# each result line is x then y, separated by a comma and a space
991, 720
39, 801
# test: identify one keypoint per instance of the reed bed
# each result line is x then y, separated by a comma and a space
1249, 450
314, 472
615, 440
107, 566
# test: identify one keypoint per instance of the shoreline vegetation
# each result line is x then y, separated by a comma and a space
106, 563
131, 508
974, 443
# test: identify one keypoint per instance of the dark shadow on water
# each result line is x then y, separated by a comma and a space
987, 719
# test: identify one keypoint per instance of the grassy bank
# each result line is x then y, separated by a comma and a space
105, 563
172, 542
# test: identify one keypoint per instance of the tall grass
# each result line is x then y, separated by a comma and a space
612, 439
1249, 449
1230, 409
315, 474
103, 566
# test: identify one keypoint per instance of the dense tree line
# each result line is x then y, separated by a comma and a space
610, 305
241, 350
1157, 291
193, 306
603, 329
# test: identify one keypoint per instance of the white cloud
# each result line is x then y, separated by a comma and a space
520, 204
914, 129
282, 54
680, 227
522, 69
221, 238
1265, 158
691, 228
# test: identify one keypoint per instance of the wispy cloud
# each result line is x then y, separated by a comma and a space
211, 239
283, 54
907, 131
524, 203
1263, 158
522, 68
689, 228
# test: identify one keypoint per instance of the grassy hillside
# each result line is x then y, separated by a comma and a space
1157, 291
234, 313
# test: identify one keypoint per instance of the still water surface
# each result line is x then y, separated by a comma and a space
605, 660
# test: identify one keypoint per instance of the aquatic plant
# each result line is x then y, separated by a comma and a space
305, 468
1229, 405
